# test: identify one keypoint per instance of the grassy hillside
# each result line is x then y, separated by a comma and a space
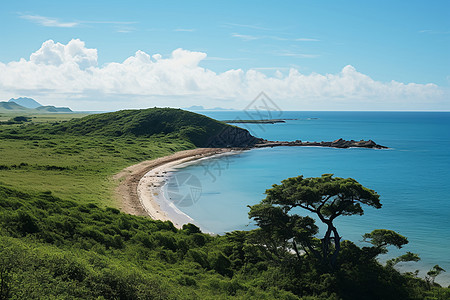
145, 122
75, 159
57, 249
62, 238
50, 108
54, 248
173, 123
41, 117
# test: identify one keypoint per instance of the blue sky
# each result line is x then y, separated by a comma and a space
379, 41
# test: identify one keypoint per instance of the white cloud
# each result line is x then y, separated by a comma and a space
294, 54
429, 31
70, 73
48, 22
121, 26
58, 54
125, 29
257, 27
245, 37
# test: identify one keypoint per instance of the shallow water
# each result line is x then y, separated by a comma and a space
411, 176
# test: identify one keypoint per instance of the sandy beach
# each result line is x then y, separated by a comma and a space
140, 185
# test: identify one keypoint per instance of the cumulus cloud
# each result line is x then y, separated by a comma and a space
71, 72
58, 54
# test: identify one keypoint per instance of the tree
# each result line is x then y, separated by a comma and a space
409, 256
381, 238
433, 273
327, 197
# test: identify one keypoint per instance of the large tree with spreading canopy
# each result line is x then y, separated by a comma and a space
326, 197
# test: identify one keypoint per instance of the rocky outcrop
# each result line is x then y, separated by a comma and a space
259, 121
340, 143
233, 137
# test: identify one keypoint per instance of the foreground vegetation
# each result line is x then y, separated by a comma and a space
61, 236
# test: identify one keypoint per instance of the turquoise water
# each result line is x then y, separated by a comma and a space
412, 176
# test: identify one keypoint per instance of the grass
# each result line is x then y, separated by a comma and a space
42, 118
75, 157
77, 168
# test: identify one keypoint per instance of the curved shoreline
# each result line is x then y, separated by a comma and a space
137, 183
141, 184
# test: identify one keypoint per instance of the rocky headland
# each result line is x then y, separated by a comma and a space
339, 143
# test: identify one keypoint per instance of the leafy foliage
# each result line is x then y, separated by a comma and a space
381, 238
326, 197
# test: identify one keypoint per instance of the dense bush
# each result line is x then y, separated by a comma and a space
51, 247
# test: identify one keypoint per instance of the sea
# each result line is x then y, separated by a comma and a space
412, 177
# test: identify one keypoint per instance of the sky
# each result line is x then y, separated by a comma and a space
304, 55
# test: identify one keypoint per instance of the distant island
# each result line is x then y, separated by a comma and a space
29, 105
200, 107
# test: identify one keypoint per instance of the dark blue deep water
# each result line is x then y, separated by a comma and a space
412, 177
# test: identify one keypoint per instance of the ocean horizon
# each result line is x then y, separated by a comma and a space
410, 177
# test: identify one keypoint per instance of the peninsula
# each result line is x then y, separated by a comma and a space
261, 121
339, 143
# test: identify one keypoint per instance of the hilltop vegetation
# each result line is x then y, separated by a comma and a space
172, 123
62, 236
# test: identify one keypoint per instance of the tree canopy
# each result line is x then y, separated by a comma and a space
327, 197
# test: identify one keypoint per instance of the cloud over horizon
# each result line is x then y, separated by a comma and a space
71, 73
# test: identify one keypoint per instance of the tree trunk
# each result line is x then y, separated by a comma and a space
337, 247
296, 250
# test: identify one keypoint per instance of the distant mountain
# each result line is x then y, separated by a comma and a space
12, 106
53, 109
221, 108
26, 102
195, 107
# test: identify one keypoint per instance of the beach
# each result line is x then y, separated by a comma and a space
139, 188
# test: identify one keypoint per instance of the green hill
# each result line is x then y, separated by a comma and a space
53, 109
202, 131
11, 106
